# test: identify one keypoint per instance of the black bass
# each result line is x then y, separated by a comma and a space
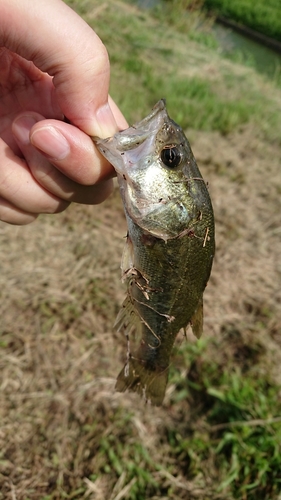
170, 245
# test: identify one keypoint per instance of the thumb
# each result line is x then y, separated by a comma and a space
60, 43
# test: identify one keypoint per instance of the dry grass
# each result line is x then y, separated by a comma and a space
60, 291
59, 356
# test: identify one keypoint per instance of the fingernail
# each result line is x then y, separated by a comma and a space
22, 127
105, 122
51, 142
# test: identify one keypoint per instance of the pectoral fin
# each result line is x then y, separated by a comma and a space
197, 319
154, 218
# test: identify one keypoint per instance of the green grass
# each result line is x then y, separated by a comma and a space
148, 62
218, 435
233, 434
193, 102
260, 15
240, 420
131, 460
188, 17
236, 435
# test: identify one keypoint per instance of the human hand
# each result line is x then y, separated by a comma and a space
52, 66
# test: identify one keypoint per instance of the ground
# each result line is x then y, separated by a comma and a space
64, 431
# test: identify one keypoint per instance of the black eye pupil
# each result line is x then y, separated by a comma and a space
171, 156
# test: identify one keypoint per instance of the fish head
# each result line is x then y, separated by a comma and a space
160, 183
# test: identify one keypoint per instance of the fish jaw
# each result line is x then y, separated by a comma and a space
127, 148
151, 191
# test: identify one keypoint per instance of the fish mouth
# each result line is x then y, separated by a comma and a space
126, 148
140, 131
135, 135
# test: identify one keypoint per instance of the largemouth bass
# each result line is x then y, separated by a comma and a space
169, 250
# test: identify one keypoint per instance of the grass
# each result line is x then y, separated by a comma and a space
239, 432
148, 68
64, 431
189, 16
256, 14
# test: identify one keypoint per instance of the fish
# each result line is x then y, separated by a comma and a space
169, 248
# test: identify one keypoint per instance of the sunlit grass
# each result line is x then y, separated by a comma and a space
257, 14
151, 60
218, 434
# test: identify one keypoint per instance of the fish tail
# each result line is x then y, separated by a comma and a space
136, 377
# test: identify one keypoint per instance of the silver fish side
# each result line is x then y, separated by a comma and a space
170, 246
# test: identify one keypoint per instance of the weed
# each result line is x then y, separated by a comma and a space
258, 15
133, 462
240, 426
187, 16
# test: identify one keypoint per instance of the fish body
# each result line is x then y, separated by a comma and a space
170, 245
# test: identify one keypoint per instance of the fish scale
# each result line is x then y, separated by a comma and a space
170, 246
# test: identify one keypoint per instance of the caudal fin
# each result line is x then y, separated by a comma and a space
150, 384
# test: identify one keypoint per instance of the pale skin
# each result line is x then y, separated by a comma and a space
52, 66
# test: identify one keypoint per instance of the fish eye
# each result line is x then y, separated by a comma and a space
170, 156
